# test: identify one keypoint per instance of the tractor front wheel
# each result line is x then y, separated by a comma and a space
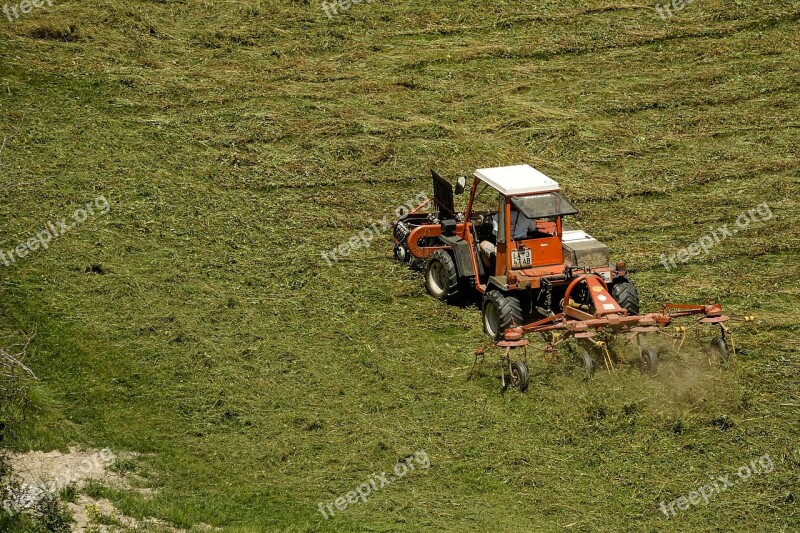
626, 295
441, 277
401, 253
499, 313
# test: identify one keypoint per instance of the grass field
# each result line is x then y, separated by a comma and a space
197, 324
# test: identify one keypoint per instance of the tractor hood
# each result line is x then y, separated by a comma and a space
581, 249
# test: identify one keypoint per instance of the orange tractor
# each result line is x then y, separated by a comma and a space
532, 273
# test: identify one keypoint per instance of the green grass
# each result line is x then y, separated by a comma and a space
238, 141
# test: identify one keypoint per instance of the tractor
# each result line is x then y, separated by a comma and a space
531, 272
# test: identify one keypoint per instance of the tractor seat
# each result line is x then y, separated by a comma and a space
488, 254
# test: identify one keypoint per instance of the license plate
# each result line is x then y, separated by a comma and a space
521, 258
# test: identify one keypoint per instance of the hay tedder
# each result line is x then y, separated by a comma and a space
534, 275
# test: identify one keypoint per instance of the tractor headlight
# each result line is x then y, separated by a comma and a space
606, 276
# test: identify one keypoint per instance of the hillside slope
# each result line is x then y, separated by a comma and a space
197, 324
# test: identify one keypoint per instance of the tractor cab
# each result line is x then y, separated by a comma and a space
517, 215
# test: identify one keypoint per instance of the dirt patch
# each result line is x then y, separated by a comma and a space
60, 469
100, 516
48, 473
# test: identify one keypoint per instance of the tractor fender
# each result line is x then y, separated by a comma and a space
461, 253
498, 282
427, 231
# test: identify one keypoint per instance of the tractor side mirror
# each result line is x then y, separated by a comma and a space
461, 185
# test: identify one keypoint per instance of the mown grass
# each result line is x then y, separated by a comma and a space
238, 141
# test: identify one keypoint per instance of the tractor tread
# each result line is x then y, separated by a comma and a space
453, 293
509, 307
626, 295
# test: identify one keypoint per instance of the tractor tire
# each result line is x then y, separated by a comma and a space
626, 295
402, 254
441, 277
500, 312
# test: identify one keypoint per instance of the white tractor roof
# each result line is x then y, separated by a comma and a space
519, 179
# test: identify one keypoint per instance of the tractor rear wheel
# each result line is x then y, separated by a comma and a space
500, 312
441, 277
626, 295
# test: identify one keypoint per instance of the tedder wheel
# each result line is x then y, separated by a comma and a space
649, 360
719, 348
441, 277
519, 375
500, 312
626, 295
587, 361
